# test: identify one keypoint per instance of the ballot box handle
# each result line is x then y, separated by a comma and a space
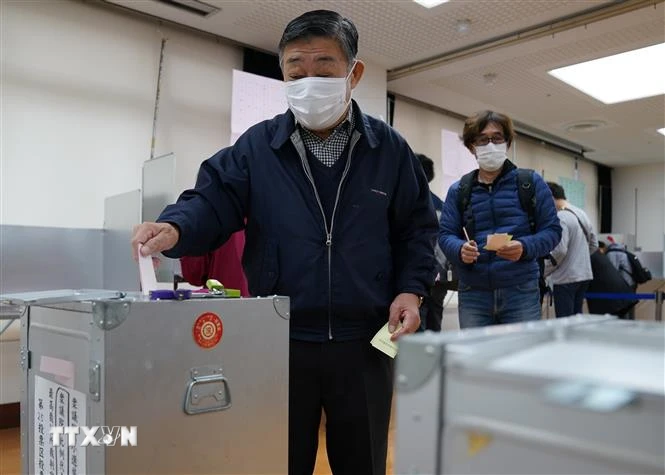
207, 391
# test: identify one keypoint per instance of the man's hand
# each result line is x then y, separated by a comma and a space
511, 251
469, 252
154, 237
405, 309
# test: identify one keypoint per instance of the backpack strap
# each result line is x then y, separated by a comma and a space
526, 191
464, 202
586, 233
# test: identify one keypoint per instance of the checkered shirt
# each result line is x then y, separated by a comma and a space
329, 150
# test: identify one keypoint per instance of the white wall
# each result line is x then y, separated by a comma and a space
78, 92
553, 165
78, 95
649, 180
371, 91
422, 129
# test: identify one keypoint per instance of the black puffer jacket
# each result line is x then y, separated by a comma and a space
606, 279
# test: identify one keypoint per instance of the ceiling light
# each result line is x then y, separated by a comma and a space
661, 131
585, 126
430, 3
622, 77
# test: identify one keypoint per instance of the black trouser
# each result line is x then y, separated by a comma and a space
352, 382
431, 311
569, 298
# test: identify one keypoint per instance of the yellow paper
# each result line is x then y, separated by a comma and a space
381, 341
497, 241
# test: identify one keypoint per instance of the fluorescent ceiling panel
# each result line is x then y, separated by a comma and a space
430, 3
619, 78
661, 131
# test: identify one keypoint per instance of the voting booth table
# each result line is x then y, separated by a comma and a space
579, 395
152, 386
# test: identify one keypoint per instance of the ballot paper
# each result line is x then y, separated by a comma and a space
146, 273
381, 341
497, 241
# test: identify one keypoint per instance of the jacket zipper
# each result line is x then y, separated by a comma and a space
491, 256
328, 231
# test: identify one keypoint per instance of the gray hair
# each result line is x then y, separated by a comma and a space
322, 23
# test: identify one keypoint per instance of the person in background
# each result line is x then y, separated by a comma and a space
572, 274
602, 247
223, 264
431, 311
607, 280
337, 216
496, 286
428, 168
620, 261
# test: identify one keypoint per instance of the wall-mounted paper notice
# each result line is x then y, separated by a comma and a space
254, 99
456, 159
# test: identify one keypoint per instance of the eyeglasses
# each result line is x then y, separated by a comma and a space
484, 140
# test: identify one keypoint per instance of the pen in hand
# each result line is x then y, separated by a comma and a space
469, 252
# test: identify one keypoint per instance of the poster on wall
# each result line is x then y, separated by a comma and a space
575, 191
456, 160
254, 99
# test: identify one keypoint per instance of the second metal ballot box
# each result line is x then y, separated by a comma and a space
163, 387
578, 395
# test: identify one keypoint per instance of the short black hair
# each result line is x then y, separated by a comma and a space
601, 245
322, 23
557, 190
474, 125
428, 166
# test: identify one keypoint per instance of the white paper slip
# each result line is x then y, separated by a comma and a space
381, 341
146, 273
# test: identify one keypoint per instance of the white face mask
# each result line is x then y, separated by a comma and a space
491, 156
318, 103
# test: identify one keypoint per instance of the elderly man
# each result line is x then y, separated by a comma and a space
338, 217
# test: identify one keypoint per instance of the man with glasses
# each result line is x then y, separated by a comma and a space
498, 283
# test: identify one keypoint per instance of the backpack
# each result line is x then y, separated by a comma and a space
447, 274
526, 192
640, 274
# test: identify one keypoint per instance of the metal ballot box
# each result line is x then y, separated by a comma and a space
161, 387
579, 395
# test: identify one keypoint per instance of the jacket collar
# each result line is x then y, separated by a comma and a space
286, 125
508, 167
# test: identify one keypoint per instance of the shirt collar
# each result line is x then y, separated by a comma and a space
346, 125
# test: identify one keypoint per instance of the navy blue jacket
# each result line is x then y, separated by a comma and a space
496, 209
341, 286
